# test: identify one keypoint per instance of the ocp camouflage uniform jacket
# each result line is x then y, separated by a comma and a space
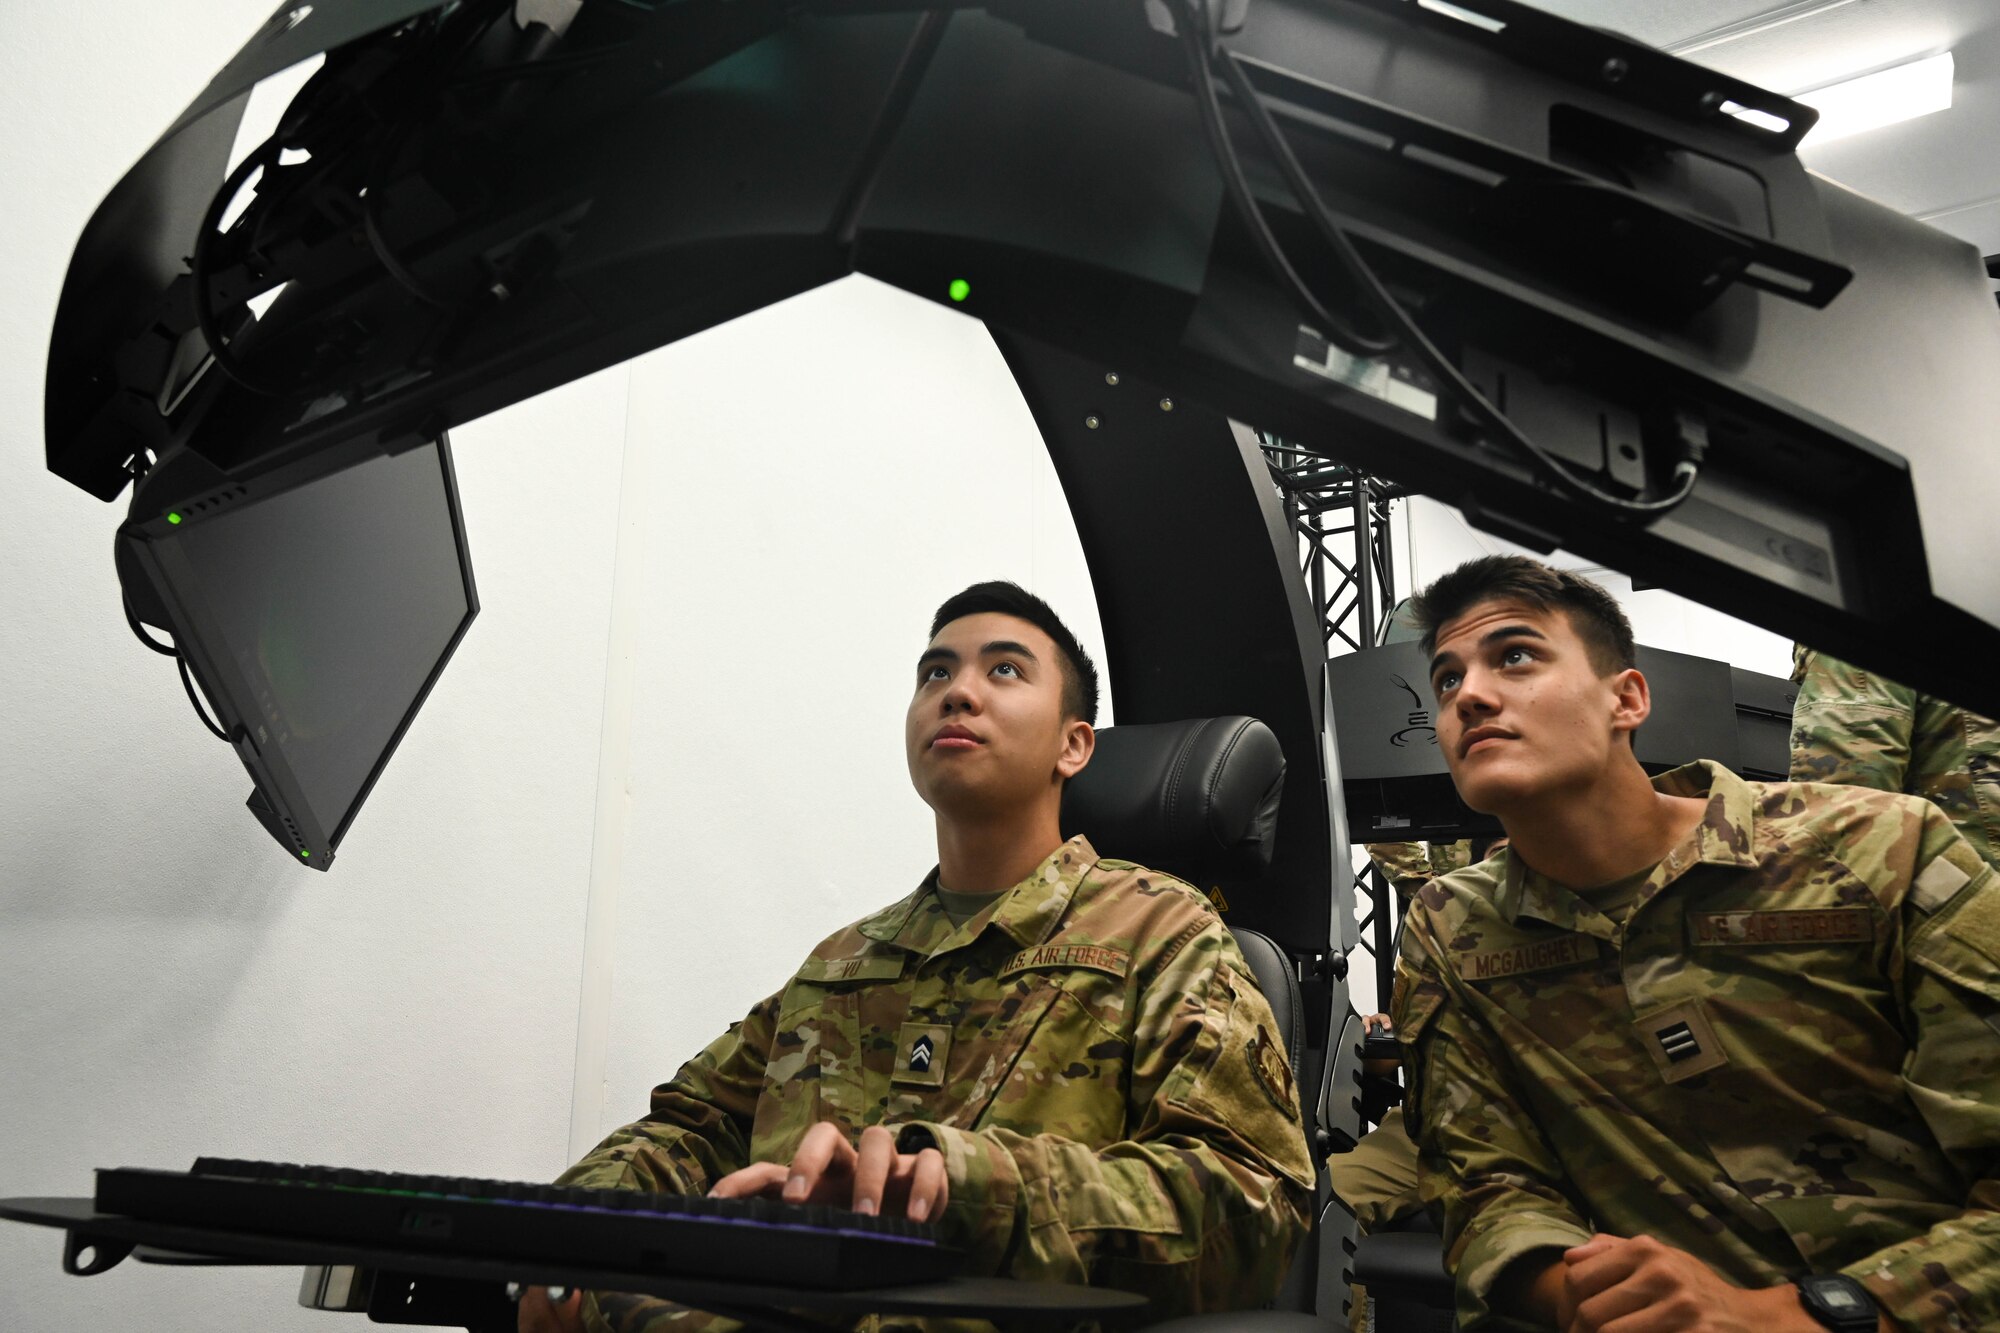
1409, 865
1106, 1083
1785, 1061
1853, 726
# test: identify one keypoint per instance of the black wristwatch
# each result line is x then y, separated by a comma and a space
1839, 1302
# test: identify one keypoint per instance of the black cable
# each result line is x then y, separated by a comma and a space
187, 679
267, 155
1199, 43
132, 619
187, 683
264, 155
1194, 35
390, 261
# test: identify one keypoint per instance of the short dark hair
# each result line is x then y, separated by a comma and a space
1593, 613
1011, 599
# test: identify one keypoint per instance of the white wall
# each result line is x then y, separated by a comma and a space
172, 982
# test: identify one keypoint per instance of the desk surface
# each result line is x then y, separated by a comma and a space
168, 1243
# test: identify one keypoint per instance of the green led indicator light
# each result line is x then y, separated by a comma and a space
303, 853
173, 518
960, 289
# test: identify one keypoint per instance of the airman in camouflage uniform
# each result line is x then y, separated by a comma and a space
1853, 726
1084, 1082
1688, 1039
1782, 1062
1105, 1081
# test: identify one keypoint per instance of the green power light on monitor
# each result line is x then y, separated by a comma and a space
960, 289
173, 518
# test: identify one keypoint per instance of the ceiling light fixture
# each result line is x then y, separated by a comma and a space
1886, 97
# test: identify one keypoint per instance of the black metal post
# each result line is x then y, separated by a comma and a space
1341, 519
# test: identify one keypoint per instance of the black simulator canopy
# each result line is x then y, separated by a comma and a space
1578, 288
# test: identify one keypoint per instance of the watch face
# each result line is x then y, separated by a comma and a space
1839, 1302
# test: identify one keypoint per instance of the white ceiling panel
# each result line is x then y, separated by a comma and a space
1944, 167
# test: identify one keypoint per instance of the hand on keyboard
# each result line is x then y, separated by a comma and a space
539, 1314
827, 1169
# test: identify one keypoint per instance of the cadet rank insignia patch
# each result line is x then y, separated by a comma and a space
1808, 925
921, 1049
1681, 1041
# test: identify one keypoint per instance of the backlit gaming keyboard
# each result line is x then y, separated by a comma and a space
620, 1231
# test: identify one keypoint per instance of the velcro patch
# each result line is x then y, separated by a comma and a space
1799, 925
1562, 951
867, 967
1094, 957
1938, 884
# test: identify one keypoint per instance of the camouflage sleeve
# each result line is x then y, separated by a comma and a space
1948, 1279
1850, 726
697, 1133
1479, 1153
1203, 1205
699, 1127
1446, 857
1406, 865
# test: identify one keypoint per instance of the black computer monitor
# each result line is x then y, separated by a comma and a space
315, 615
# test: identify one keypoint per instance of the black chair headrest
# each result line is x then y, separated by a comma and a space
1197, 799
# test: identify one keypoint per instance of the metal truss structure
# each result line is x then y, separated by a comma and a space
1341, 518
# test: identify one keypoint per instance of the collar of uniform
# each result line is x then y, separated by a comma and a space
1728, 829
888, 923
1724, 837
1524, 892
1026, 912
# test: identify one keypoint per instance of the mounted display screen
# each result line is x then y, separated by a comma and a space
316, 620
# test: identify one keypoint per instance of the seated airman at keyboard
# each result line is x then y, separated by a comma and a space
1059, 1058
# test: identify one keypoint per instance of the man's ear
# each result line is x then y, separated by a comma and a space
1079, 743
1632, 701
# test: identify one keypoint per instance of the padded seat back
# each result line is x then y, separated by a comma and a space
1199, 800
